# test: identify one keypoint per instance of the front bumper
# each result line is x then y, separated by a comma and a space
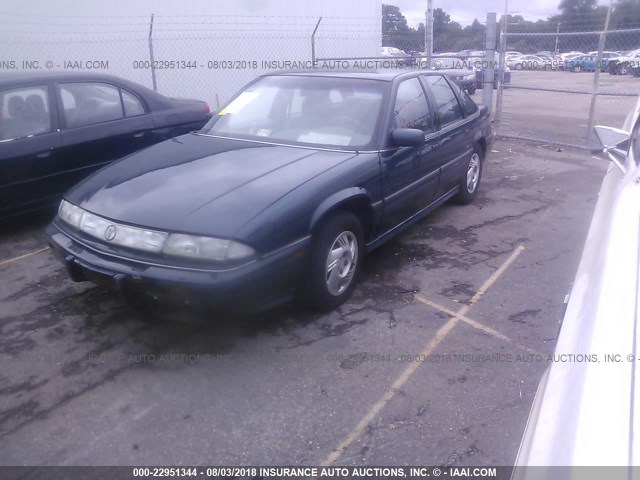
265, 282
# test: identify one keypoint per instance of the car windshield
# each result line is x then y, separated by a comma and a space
305, 110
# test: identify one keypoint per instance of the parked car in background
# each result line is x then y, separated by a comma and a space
57, 128
550, 60
392, 52
585, 412
605, 53
480, 66
569, 55
589, 62
459, 70
582, 63
526, 62
623, 64
281, 193
470, 53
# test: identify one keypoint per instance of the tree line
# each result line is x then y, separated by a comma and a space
575, 16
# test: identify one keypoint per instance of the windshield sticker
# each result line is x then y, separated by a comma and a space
263, 132
324, 138
239, 103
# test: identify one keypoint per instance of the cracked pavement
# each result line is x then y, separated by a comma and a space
87, 380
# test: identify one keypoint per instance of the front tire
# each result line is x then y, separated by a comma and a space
577, 68
470, 183
336, 258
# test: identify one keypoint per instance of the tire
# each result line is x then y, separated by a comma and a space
623, 69
473, 174
471, 89
518, 66
577, 68
340, 237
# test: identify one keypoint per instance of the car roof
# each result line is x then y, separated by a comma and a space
387, 75
11, 78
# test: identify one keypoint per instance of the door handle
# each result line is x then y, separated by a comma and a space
138, 135
44, 154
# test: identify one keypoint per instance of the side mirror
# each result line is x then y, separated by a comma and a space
407, 137
610, 143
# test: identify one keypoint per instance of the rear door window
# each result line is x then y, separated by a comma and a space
90, 103
469, 107
448, 108
24, 112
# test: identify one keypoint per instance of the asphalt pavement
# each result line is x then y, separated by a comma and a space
434, 361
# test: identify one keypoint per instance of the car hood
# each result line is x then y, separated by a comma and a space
200, 184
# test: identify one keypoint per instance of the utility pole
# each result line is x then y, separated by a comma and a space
557, 33
596, 74
151, 61
428, 33
502, 64
489, 58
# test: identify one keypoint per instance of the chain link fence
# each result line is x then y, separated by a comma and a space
207, 58
564, 83
553, 85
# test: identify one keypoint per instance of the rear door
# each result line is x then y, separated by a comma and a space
29, 149
410, 174
455, 131
101, 122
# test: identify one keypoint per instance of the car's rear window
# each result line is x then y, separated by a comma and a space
306, 110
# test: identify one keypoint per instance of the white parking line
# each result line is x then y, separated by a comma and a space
475, 324
15, 259
440, 335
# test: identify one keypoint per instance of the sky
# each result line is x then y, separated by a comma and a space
465, 11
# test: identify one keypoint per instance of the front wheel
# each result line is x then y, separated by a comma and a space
470, 183
577, 68
336, 258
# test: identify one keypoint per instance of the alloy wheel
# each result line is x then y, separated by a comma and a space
341, 263
473, 173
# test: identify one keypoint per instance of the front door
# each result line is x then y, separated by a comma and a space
456, 136
410, 174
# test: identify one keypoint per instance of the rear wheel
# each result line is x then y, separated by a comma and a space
623, 69
470, 183
336, 258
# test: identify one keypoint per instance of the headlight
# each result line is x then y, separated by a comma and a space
205, 248
137, 238
70, 213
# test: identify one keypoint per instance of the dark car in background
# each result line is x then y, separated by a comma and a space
280, 194
623, 64
480, 66
458, 70
57, 128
